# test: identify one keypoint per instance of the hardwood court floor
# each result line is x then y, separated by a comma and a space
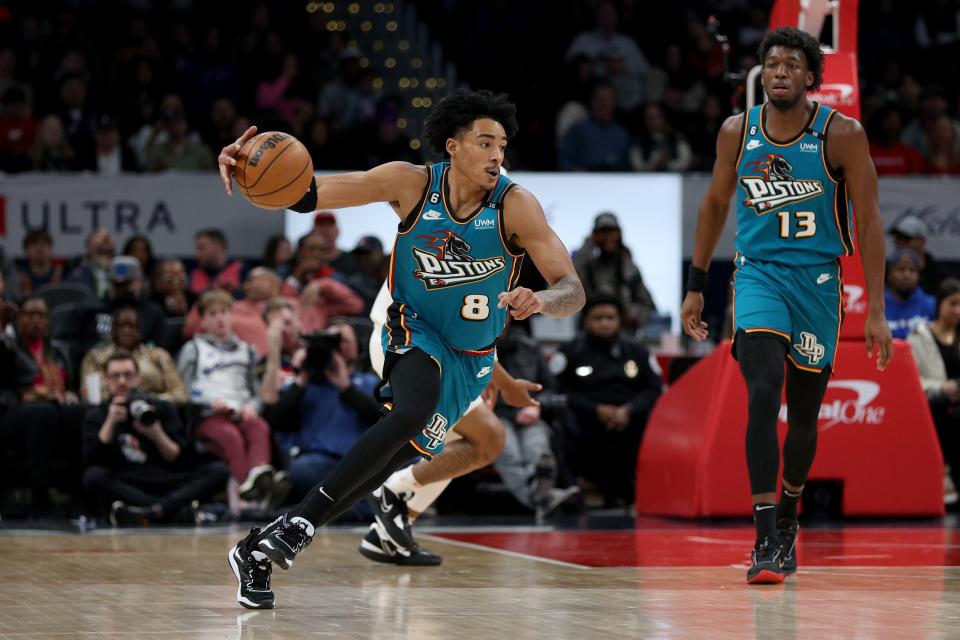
673, 581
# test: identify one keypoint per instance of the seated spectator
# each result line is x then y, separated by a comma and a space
907, 305
91, 322
936, 348
112, 158
213, 270
307, 264
605, 265
50, 151
138, 464
169, 289
94, 270
933, 105
910, 232
41, 415
181, 149
660, 147
943, 152
77, 118
321, 296
139, 247
604, 41
246, 315
220, 372
158, 372
40, 269
284, 354
18, 129
890, 155
325, 225
598, 143
324, 411
276, 255
372, 270
612, 384
527, 463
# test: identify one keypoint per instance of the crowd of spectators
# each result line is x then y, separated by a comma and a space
625, 86
247, 409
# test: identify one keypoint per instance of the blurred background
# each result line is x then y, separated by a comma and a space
112, 115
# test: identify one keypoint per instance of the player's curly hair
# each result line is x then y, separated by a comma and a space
457, 111
796, 39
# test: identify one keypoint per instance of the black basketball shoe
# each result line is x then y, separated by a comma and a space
767, 567
390, 511
787, 530
252, 569
284, 538
376, 547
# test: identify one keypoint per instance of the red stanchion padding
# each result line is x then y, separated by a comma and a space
876, 438
854, 298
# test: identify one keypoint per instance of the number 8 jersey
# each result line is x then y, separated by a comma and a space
449, 272
792, 207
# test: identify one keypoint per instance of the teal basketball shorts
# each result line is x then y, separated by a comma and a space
800, 303
463, 374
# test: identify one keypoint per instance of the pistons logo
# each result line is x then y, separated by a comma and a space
445, 261
774, 184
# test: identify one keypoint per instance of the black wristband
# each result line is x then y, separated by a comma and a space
696, 279
308, 202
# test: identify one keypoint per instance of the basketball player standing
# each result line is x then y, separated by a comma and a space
464, 230
798, 164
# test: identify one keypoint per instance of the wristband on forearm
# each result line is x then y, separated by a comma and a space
308, 202
696, 279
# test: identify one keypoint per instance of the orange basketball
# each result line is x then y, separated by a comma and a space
273, 170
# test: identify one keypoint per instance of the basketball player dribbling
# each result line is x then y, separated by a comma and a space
798, 164
464, 230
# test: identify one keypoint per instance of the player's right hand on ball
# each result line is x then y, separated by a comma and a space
227, 160
693, 326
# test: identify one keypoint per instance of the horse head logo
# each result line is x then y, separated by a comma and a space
456, 248
780, 169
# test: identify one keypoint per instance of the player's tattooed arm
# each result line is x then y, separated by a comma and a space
564, 297
526, 226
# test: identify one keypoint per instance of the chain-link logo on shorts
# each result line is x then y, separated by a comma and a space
810, 347
436, 432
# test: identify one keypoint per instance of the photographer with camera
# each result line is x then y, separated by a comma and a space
221, 372
326, 407
133, 448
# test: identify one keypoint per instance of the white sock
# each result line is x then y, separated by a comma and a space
425, 495
402, 481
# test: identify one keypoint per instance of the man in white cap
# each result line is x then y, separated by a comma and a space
910, 232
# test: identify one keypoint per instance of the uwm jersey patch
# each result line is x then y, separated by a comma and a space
774, 186
445, 261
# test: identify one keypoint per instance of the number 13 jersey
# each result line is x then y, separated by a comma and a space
449, 272
791, 206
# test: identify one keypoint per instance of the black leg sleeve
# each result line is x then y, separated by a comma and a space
805, 391
402, 459
415, 383
761, 356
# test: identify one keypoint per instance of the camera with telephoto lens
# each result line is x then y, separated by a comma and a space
320, 348
141, 410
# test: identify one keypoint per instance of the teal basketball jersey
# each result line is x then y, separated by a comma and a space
449, 272
791, 207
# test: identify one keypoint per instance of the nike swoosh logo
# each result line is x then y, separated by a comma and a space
765, 508
753, 144
823, 278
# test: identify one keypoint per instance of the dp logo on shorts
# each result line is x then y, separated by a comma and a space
810, 347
